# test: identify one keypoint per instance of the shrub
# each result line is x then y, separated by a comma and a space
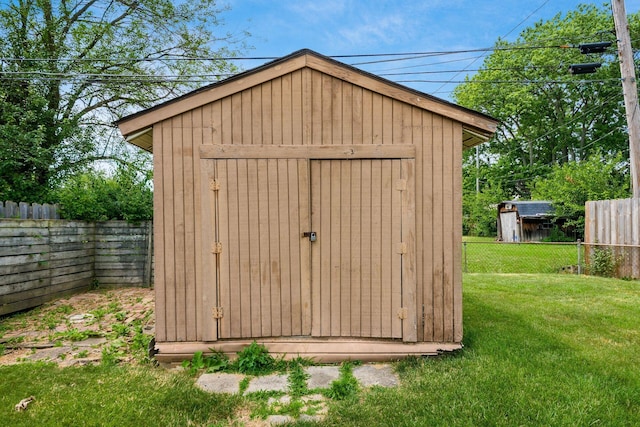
97, 196
602, 262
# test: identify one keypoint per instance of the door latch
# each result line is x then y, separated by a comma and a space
311, 235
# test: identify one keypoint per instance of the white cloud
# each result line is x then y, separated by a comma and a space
386, 30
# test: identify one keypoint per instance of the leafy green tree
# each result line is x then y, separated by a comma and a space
549, 117
569, 186
69, 69
92, 195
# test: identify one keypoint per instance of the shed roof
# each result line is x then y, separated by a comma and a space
532, 208
136, 128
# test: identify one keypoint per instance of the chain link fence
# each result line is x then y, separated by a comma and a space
500, 257
622, 261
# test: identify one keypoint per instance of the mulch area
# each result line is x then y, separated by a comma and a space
75, 330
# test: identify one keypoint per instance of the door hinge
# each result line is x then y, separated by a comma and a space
214, 184
401, 248
216, 248
403, 313
217, 312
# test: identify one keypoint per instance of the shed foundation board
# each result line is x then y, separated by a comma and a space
320, 351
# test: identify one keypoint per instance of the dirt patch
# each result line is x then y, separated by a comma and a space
113, 323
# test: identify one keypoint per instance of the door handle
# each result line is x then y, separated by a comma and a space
311, 235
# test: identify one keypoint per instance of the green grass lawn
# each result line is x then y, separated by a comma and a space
539, 350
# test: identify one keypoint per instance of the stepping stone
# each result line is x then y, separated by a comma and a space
380, 375
220, 383
49, 353
268, 383
278, 420
321, 376
91, 342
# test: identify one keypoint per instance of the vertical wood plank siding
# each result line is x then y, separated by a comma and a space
300, 108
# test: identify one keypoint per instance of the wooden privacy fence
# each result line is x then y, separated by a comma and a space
43, 260
615, 225
24, 210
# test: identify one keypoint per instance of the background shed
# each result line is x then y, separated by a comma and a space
310, 206
525, 220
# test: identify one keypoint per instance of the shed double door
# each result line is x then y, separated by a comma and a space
356, 279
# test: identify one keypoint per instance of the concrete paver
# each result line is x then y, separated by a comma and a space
220, 383
380, 375
321, 376
268, 383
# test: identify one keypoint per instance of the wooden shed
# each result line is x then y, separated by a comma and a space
310, 206
525, 220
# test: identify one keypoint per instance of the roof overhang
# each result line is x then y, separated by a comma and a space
137, 128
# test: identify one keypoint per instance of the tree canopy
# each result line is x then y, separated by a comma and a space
548, 117
68, 69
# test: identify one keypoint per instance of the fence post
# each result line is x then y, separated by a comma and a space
466, 267
579, 256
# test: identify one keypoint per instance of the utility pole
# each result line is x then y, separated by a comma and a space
629, 90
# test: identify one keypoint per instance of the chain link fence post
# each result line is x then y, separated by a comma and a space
579, 245
466, 266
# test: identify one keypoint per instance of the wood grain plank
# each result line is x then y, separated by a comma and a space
357, 214
317, 111
158, 233
179, 123
281, 264
274, 221
419, 142
237, 129
367, 117
294, 211
191, 306
345, 235
387, 120
237, 225
377, 255
366, 253
196, 225
243, 116
318, 270
337, 152
395, 284
327, 110
347, 114
325, 233
337, 113
244, 249
257, 106
307, 106
425, 215
267, 113
304, 197
297, 116
266, 237
457, 233
409, 283
334, 181
226, 124
211, 123
169, 231
377, 119
287, 113
210, 271
276, 107
227, 226
251, 250
438, 232
356, 119
388, 248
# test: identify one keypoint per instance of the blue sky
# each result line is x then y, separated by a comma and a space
350, 27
